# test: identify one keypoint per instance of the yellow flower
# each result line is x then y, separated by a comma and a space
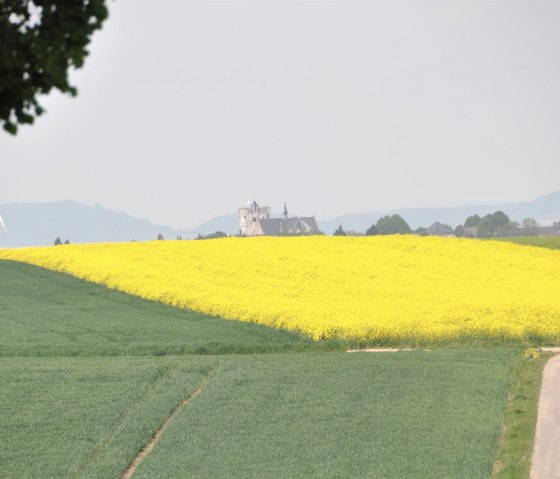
366, 288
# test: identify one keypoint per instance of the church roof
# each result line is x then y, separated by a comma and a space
277, 226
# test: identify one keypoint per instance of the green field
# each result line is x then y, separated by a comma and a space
49, 314
87, 375
552, 242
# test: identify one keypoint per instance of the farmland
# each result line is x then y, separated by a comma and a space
268, 412
374, 290
551, 242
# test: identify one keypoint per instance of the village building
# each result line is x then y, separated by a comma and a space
553, 230
255, 220
439, 229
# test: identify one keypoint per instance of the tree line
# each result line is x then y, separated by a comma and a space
492, 225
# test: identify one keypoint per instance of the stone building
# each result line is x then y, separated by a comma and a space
255, 220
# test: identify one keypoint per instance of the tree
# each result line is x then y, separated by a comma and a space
530, 227
390, 225
472, 221
67, 241
371, 231
159, 236
339, 231
496, 224
421, 231
57, 241
40, 41
459, 231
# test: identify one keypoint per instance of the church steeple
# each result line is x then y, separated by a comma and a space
285, 211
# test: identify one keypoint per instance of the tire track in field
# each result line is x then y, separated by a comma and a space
131, 469
119, 423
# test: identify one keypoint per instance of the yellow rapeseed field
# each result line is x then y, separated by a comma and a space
382, 289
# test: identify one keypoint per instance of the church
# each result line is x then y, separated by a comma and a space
255, 220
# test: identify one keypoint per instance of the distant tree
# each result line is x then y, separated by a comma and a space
390, 225
371, 231
472, 221
496, 224
459, 231
530, 227
421, 231
215, 235
339, 231
57, 241
40, 41
160, 237
67, 241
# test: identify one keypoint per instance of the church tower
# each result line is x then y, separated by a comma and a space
248, 217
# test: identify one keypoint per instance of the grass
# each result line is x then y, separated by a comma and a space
551, 242
86, 417
513, 458
409, 414
308, 412
53, 314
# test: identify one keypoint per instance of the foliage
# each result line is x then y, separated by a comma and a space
498, 224
160, 237
390, 225
531, 353
495, 224
40, 41
392, 289
215, 235
339, 231
530, 227
472, 221
459, 231
57, 241
421, 231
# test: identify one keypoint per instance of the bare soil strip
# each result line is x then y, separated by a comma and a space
545, 462
131, 469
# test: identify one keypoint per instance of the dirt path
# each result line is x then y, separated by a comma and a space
545, 462
155, 438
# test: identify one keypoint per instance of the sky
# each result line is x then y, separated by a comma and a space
187, 108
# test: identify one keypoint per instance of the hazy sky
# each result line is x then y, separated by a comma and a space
185, 108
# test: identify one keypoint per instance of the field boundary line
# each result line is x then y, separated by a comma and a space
131, 469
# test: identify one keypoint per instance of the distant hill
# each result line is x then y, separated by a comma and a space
36, 224
543, 209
